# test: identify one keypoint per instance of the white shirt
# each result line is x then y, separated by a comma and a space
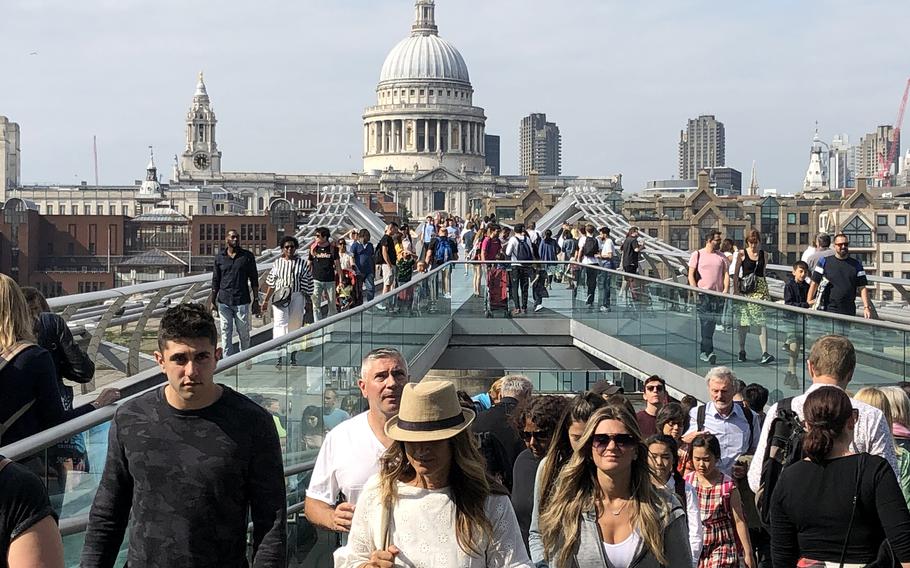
348, 457
693, 518
621, 554
581, 247
871, 434
423, 529
607, 248
809, 252
512, 247
732, 432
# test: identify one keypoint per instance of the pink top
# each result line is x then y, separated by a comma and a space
711, 268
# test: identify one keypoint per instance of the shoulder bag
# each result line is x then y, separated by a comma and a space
749, 282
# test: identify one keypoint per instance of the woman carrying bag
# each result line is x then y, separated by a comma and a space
287, 286
432, 500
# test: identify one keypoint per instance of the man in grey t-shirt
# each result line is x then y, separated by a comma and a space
824, 249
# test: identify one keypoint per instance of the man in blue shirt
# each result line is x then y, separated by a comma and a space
429, 231
729, 422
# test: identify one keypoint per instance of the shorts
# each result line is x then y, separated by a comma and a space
387, 273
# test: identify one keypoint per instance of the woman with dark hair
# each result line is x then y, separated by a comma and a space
834, 507
749, 281
432, 484
663, 459
604, 511
288, 285
672, 420
536, 423
312, 428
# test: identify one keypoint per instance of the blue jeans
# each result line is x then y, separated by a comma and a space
229, 318
603, 282
321, 289
368, 282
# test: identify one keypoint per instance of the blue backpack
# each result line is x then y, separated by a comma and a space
443, 250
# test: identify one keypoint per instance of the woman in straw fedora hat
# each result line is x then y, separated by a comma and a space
432, 503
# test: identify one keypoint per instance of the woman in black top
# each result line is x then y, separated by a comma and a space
813, 515
28, 524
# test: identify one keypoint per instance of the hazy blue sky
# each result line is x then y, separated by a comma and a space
289, 79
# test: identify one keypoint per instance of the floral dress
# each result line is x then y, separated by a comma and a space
720, 549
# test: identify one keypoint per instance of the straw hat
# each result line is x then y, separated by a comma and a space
429, 412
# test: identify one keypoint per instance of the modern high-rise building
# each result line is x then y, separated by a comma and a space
9, 156
874, 148
842, 163
491, 146
701, 146
540, 146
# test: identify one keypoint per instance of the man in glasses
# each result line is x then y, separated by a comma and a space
846, 280
655, 397
235, 285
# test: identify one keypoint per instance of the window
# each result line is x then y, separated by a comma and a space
791, 257
125, 211
75, 209
804, 238
50, 209
905, 257
905, 275
887, 257
887, 295
803, 218
112, 210
900, 238
791, 238
652, 233
791, 218
191, 210
900, 220
887, 273
881, 220
882, 237
859, 233
679, 237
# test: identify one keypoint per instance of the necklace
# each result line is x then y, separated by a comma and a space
618, 511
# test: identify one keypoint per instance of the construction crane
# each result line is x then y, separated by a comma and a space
884, 164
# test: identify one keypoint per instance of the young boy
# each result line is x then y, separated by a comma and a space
795, 292
345, 293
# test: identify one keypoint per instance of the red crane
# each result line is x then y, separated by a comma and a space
884, 164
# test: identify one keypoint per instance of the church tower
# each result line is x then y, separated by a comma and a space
201, 158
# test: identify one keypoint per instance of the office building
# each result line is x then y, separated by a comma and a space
540, 146
491, 147
873, 150
701, 146
9, 156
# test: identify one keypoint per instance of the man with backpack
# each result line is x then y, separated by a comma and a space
832, 361
387, 259
441, 250
588, 252
499, 441
736, 427
521, 252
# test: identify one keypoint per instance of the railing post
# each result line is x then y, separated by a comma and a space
98, 335
132, 365
190, 292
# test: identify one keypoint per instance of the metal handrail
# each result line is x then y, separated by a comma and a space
79, 523
37, 442
689, 289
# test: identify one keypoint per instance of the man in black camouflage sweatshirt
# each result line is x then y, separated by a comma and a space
188, 465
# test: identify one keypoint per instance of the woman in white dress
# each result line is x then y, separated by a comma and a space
432, 503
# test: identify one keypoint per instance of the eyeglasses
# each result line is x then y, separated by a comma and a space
655, 388
539, 434
841, 244
601, 441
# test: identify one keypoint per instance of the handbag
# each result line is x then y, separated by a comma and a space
281, 298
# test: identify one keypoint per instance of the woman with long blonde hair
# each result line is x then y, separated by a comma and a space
604, 511
432, 485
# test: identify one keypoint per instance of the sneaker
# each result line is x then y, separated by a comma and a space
516, 312
447, 296
718, 327
381, 307
741, 357
766, 358
791, 380
712, 358
703, 357
538, 307
604, 309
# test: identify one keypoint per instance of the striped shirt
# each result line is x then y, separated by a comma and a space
293, 273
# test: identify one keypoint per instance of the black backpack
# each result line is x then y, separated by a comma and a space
785, 447
590, 247
524, 251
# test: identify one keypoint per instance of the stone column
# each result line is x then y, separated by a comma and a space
382, 139
438, 135
426, 135
366, 138
483, 141
394, 136
449, 135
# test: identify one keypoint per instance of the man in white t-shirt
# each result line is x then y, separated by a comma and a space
351, 451
588, 252
607, 259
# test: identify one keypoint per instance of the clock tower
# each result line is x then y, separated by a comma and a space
201, 158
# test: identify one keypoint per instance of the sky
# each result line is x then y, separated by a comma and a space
289, 80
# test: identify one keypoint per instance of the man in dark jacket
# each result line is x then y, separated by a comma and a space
500, 442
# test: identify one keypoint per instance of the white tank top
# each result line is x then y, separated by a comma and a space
621, 555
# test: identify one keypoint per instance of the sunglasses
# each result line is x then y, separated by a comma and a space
539, 434
655, 388
291, 247
601, 441
841, 244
